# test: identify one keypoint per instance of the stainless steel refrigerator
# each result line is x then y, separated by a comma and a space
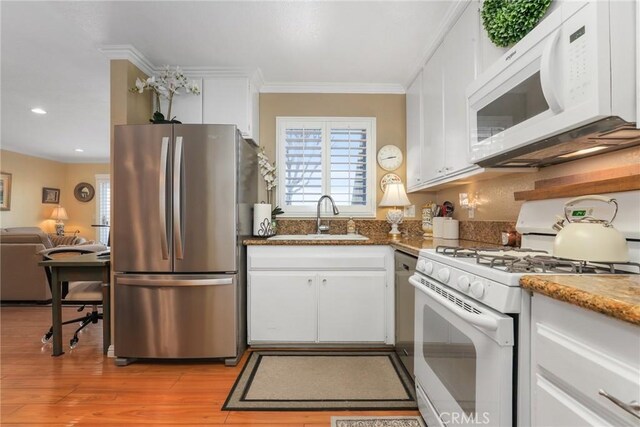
182, 204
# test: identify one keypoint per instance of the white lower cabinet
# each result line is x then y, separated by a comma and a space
323, 295
351, 306
283, 306
576, 356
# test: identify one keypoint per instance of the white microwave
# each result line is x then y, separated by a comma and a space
566, 90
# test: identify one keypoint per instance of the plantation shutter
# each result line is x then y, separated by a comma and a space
348, 166
303, 165
326, 155
103, 209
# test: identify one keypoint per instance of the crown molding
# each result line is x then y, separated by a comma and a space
372, 88
130, 53
133, 55
451, 16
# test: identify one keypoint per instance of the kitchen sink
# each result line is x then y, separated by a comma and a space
318, 237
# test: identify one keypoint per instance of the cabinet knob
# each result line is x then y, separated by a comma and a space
310, 282
324, 281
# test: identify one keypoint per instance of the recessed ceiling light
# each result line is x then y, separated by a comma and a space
38, 111
79, 150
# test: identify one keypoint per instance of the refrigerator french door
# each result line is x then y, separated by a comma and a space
175, 198
176, 233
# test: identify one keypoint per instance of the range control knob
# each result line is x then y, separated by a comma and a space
420, 265
464, 283
428, 267
443, 275
477, 289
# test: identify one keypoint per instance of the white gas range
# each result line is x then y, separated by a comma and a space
472, 318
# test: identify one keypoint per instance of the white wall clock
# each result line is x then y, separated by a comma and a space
387, 179
389, 157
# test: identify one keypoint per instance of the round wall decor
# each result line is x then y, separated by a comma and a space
508, 21
390, 157
389, 178
84, 192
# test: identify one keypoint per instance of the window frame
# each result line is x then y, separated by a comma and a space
101, 178
327, 123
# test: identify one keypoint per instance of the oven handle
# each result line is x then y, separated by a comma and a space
475, 319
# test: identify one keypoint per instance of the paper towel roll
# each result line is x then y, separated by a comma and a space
438, 227
262, 220
451, 229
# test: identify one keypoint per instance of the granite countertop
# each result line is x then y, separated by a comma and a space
411, 244
613, 295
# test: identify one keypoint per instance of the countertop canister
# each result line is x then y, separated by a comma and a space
450, 229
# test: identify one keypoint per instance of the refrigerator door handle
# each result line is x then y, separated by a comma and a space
174, 282
177, 199
162, 196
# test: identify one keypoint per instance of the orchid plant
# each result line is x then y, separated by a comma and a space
269, 174
166, 85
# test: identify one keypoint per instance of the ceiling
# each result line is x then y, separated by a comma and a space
50, 59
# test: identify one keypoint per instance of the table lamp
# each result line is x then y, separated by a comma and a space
394, 196
59, 214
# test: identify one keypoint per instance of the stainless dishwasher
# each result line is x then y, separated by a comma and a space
405, 298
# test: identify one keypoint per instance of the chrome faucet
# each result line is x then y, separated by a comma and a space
321, 228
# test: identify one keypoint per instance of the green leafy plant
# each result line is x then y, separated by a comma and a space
508, 21
276, 211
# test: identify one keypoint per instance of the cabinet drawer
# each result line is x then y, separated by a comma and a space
560, 409
580, 352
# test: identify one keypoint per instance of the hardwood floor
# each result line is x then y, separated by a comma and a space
84, 388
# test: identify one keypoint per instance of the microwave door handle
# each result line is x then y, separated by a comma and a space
547, 81
479, 320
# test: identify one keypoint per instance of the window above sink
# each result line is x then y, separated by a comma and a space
326, 155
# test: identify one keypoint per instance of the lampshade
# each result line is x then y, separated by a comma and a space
59, 214
394, 195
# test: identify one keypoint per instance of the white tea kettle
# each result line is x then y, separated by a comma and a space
585, 238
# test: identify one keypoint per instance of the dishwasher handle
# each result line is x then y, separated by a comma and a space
157, 283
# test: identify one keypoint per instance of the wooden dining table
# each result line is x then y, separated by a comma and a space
92, 267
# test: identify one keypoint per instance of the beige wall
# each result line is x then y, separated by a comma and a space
496, 194
30, 174
389, 111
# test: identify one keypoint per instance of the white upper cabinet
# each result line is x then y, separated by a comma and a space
433, 117
224, 100
231, 100
460, 47
445, 76
414, 133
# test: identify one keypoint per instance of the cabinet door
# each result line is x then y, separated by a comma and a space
414, 132
282, 307
351, 306
459, 71
226, 101
432, 102
187, 107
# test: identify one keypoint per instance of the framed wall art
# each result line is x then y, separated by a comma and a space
50, 195
5, 191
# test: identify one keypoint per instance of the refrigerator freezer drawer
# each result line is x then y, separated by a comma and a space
175, 316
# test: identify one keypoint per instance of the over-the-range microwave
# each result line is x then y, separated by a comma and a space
566, 90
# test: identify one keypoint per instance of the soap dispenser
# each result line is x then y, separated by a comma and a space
351, 226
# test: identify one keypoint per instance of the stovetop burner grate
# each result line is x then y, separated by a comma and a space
524, 260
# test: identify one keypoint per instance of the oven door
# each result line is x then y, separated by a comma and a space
463, 358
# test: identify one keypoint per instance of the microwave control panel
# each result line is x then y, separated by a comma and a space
578, 73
